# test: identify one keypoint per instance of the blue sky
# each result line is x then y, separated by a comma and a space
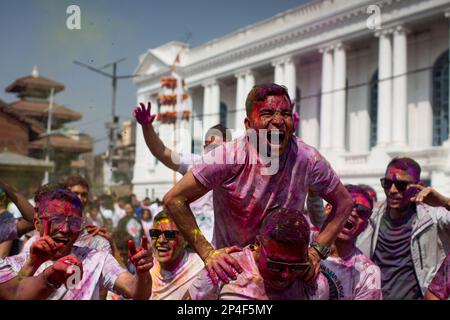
33, 32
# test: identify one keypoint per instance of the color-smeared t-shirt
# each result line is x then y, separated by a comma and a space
440, 285
353, 278
100, 270
245, 191
172, 285
250, 285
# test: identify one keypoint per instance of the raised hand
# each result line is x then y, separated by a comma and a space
62, 269
141, 258
220, 264
143, 115
44, 248
103, 232
429, 196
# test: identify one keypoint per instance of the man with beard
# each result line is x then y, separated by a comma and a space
59, 223
350, 274
408, 237
248, 186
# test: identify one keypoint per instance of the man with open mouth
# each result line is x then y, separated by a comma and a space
176, 265
350, 274
71, 272
244, 190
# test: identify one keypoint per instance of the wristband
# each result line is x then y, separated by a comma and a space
322, 250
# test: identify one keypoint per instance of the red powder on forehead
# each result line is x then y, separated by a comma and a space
360, 199
57, 206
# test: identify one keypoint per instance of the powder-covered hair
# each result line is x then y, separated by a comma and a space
406, 164
351, 188
370, 191
261, 91
47, 188
59, 194
288, 227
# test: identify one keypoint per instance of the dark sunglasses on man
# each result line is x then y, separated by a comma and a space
362, 211
168, 234
279, 266
400, 185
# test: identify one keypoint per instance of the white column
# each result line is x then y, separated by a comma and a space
240, 100
339, 94
206, 106
326, 99
215, 104
278, 72
399, 98
290, 77
249, 83
384, 89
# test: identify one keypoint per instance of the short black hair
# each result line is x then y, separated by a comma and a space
287, 226
219, 128
47, 188
351, 188
261, 91
406, 164
60, 194
75, 180
370, 191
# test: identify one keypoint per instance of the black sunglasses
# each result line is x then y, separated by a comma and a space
363, 211
400, 185
168, 234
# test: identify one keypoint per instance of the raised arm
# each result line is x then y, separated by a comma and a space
25, 208
218, 262
156, 146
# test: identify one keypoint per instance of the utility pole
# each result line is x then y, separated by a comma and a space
112, 126
49, 130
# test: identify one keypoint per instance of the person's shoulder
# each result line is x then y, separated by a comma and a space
305, 150
362, 262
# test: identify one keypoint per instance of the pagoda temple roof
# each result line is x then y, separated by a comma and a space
40, 109
62, 142
13, 160
34, 83
32, 124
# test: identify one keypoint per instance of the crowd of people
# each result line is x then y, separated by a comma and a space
230, 230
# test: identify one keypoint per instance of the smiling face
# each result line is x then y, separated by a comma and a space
167, 251
276, 275
65, 223
358, 220
274, 114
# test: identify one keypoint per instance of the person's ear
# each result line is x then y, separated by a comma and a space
247, 123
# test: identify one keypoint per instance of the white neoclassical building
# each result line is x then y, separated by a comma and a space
364, 94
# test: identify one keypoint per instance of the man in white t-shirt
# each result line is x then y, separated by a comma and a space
202, 208
273, 268
59, 222
175, 266
352, 275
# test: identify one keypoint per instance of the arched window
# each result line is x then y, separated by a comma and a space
373, 109
440, 100
223, 114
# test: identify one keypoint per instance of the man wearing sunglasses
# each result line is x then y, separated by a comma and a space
408, 237
351, 275
54, 255
176, 266
273, 267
